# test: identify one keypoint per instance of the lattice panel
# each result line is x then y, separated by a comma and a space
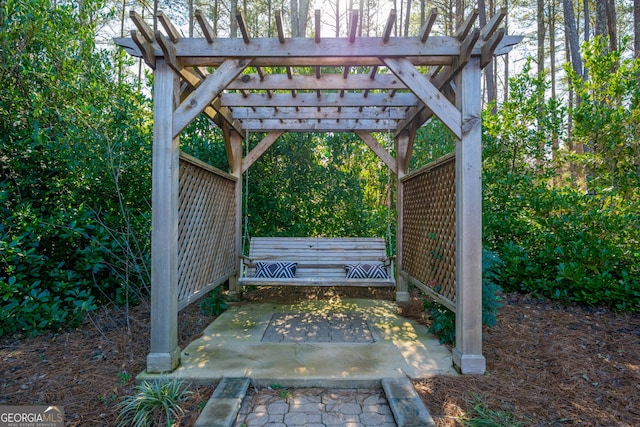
429, 227
206, 229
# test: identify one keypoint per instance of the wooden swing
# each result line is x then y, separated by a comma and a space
318, 261
315, 261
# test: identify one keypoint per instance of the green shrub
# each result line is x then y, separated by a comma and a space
74, 170
213, 304
582, 249
443, 320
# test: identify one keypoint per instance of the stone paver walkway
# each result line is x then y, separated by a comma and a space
347, 327
315, 408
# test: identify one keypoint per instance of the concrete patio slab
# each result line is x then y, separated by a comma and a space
235, 345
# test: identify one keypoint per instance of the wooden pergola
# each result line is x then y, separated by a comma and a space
352, 84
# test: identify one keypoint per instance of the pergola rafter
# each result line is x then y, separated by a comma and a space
379, 75
353, 84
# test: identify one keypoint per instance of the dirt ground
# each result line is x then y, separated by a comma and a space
548, 364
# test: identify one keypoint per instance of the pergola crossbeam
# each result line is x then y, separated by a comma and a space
379, 150
427, 93
198, 100
302, 51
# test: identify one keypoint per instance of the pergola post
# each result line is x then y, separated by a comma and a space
164, 354
235, 164
402, 158
467, 355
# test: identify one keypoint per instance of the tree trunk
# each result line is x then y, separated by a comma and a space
552, 46
541, 36
215, 16
572, 36
506, 58
361, 18
460, 13
303, 13
601, 17
337, 18
576, 171
407, 19
612, 25
636, 28
585, 5
233, 10
294, 18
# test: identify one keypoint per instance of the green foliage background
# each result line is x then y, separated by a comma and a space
566, 225
75, 166
74, 169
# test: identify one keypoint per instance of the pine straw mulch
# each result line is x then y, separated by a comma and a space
89, 369
547, 363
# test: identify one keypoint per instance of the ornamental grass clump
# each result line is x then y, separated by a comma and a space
154, 403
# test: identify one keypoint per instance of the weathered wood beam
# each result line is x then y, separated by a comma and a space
304, 48
450, 72
379, 150
353, 25
391, 20
311, 82
164, 355
295, 125
467, 25
242, 25
197, 101
260, 149
327, 99
507, 43
193, 81
306, 113
353, 28
206, 28
427, 92
492, 26
441, 79
145, 30
280, 27
147, 50
169, 51
489, 47
412, 115
223, 113
318, 25
428, 25
171, 30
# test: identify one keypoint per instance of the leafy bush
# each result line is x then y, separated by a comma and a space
443, 320
583, 249
564, 222
213, 304
74, 169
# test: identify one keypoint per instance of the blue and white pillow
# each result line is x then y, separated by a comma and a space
276, 269
371, 270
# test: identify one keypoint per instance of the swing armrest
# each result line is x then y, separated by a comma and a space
389, 260
245, 259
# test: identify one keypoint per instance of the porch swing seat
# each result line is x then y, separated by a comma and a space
317, 261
